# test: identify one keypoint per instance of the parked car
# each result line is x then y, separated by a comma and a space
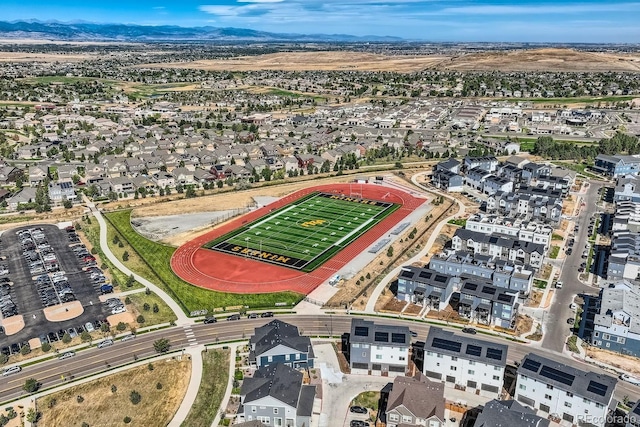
571, 321
128, 337
208, 320
252, 316
469, 331
358, 410
234, 317
358, 423
89, 327
630, 379
267, 314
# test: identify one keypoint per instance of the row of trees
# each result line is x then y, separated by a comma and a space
621, 143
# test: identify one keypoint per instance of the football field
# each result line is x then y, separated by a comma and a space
307, 232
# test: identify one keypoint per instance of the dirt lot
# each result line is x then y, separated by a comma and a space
626, 363
100, 406
547, 59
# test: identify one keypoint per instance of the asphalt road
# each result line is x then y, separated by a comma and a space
94, 360
556, 329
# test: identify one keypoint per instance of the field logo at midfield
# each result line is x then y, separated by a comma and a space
313, 223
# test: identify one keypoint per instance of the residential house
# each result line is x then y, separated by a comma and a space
280, 342
624, 256
533, 171
492, 184
164, 179
62, 190
627, 189
611, 320
446, 180
487, 164
503, 413
277, 396
487, 304
616, 166
502, 273
9, 174
122, 185
526, 231
378, 349
183, 176
414, 401
450, 165
424, 286
577, 396
633, 420
26, 195
37, 174
464, 362
500, 246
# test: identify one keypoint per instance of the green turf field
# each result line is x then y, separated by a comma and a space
305, 233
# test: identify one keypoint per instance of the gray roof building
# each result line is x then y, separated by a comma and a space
509, 413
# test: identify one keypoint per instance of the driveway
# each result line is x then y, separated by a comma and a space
339, 389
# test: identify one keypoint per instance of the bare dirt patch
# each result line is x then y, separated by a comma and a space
100, 406
620, 361
12, 325
309, 61
62, 312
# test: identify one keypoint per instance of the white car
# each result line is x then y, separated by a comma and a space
630, 379
118, 310
11, 370
89, 327
67, 355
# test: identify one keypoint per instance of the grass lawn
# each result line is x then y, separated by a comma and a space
527, 146
157, 258
555, 236
164, 314
305, 233
102, 407
214, 383
540, 284
459, 222
553, 253
91, 231
368, 399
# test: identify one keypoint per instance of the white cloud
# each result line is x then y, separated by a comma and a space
537, 10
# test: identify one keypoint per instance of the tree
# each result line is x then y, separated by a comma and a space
31, 385
390, 251
140, 319
85, 336
104, 327
114, 388
162, 345
156, 308
46, 347
66, 338
68, 204
25, 349
190, 193
135, 397
125, 256
32, 415
146, 306
121, 326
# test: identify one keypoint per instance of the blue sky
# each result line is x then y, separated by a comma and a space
602, 21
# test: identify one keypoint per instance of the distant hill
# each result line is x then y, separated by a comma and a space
140, 33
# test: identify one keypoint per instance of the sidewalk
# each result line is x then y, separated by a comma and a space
192, 389
227, 393
183, 319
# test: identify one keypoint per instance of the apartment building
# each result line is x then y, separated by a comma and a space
487, 304
378, 349
464, 362
526, 231
425, 287
499, 246
564, 392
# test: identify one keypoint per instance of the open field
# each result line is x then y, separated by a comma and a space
215, 372
547, 59
100, 406
42, 57
157, 257
305, 233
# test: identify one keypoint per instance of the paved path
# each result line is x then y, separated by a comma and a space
375, 295
174, 306
192, 389
227, 393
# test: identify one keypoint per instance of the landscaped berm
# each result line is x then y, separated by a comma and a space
295, 243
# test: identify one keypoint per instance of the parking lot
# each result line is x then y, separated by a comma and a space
45, 266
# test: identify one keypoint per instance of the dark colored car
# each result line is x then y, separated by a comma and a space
358, 410
234, 317
252, 316
469, 331
358, 423
208, 320
267, 314
570, 321
413, 333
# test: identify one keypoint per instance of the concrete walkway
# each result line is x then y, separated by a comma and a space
227, 393
174, 306
192, 389
375, 294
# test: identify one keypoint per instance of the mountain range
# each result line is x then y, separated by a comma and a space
86, 31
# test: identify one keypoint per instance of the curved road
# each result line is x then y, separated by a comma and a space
94, 360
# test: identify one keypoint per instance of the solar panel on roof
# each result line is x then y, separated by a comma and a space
447, 344
381, 336
597, 388
488, 290
399, 338
425, 274
471, 286
557, 375
494, 353
361, 331
440, 278
474, 350
531, 365
636, 410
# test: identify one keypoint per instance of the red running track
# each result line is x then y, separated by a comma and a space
232, 273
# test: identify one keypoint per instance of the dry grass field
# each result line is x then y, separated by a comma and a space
101, 407
547, 59
41, 57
